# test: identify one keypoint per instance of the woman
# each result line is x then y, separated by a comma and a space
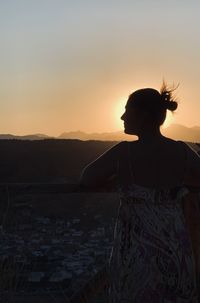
152, 259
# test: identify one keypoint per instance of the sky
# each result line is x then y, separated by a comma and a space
70, 65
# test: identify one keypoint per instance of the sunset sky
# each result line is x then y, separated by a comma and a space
70, 65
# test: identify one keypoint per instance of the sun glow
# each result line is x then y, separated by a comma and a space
120, 108
169, 119
118, 112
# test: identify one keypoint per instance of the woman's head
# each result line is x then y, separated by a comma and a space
147, 108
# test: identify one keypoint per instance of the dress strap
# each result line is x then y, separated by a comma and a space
185, 161
129, 162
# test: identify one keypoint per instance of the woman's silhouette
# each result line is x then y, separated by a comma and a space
152, 259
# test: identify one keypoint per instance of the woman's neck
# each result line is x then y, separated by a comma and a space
150, 136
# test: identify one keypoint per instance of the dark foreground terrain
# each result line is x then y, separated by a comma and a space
52, 241
52, 244
48, 160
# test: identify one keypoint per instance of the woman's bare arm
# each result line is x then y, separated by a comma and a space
192, 174
102, 169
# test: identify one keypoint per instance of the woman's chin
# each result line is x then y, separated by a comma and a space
129, 131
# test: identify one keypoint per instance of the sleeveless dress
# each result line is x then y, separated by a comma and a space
151, 258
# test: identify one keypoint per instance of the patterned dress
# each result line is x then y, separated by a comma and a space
151, 258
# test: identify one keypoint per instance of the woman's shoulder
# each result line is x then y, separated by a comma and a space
120, 145
164, 143
167, 144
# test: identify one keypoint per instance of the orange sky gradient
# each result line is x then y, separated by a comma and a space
71, 66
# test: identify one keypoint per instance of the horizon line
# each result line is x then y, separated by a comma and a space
88, 133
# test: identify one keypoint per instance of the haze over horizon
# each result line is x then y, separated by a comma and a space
69, 66
173, 131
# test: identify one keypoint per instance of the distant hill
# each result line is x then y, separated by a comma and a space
174, 131
111, 136
27, 137
180, 132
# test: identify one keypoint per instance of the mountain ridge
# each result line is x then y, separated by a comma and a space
174, 131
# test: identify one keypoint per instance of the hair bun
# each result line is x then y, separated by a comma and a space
171, 105
167, 99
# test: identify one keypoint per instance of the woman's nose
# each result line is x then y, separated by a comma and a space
122, 117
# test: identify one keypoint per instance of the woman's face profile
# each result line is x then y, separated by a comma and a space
133, 119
